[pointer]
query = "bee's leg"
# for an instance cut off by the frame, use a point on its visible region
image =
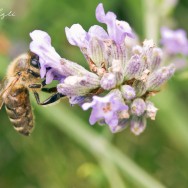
(35, 86)
(44, 82)
(49, 90)
(50, 100)
(33, 73)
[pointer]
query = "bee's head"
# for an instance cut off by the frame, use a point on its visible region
(34, 61)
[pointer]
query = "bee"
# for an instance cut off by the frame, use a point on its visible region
(23, 75)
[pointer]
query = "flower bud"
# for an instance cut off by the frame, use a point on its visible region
(138, 124)
(69, 68)
(77, 85)
(137, 50)
(111, 52)
(138, 107)
(128, 92)
(156, 58)
(139, 87)
(160, 76)
(96, 49)
(117, 69)
(79, 100)
(108, 81)
(122, 124)
(133, 67)
(151, 110)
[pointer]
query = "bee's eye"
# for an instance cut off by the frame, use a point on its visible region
(35, 62)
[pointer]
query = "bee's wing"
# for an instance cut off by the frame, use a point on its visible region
(5, 86)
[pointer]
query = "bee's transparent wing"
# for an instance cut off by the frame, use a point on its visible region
(5, 86)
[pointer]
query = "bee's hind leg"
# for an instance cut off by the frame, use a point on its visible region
(55, 97)
(52, 99)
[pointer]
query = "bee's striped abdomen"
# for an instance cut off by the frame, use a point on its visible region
(19, 110)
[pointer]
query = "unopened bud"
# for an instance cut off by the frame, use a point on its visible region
(138, 107)
(138, 124)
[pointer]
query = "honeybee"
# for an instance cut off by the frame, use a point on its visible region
(23, 75)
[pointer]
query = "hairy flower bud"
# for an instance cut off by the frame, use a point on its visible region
(140, 87)
(133, 67)
(137, 50)
(122, 124)
(108, 81)
(151, 110)
(96, 49)
(156, 58)
(138, 124)
(117, 69)
(160, 76)
(77, 85)
(138, 107)
(128, 92)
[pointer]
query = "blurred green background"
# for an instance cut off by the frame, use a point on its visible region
(64, 151)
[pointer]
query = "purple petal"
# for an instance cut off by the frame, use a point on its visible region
(40, 36)
(112, 120)
(117, 30)
(48, 57)
(42, 71)
(100, 14)
(49, 76)
(76, 35)
(97, 31)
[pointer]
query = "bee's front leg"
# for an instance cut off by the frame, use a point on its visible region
(35, 86)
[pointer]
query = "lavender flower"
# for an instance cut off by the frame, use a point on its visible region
(106, 108)
(121, 79)
(174, 41)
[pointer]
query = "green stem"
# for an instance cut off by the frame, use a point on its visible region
(97, 145)
(112, 174)
(151, 19)
(173, 121)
